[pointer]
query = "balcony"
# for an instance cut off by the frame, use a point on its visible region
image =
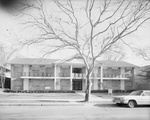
(74, 75)
(95, 75)
(78, 75)
(64, 75)
(34, 74)
(117, 75)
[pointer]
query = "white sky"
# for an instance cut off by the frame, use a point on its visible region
(11, 28)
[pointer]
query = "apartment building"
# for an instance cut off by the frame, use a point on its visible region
(48, 74)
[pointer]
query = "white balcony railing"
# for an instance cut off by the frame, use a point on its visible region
(74, 75)
(33, 74)
(64, 75)
(78, 75)
(117, 75)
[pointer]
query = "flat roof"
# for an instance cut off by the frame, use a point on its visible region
(74, 61)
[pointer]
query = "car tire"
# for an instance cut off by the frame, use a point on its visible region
(119, 104)
(131, 103)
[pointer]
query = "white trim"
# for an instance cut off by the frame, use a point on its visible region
(101, 79)
(25, 84)
(55, 74)
(71, 77)
(122, 85)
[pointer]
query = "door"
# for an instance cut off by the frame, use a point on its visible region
(145, 98)
(77, 84)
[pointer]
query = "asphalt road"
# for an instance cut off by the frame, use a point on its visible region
(96, 112)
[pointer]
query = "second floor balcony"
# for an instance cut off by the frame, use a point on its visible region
(64, 75)
(74, 75)
(117, 75)
(33, 74)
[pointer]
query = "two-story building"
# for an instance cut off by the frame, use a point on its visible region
(48, 74)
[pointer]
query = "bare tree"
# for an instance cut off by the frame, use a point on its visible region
(144, 72)
(145, 53)
(90, 27)
(115, 53)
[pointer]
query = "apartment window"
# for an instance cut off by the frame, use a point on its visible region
(77, 70)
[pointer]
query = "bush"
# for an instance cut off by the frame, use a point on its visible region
(7, 90)
(99, 91)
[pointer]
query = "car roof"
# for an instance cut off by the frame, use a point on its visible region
(143, 90)
(146, 90)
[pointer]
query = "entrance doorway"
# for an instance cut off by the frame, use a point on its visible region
(77, 84)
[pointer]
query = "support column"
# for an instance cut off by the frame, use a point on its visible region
(12, 76)
(26, 80)
(122, 85)
(122, 82)
(85, 78)
(101, 82)
(55, 76)
(26, 84)
(71, 77)
(57, 79)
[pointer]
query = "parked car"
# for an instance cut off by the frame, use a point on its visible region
(140, 97)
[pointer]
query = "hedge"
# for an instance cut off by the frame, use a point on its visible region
(62, 91)
(38, 91)
(114, 91)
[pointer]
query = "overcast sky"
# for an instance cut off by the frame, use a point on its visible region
(10, 28)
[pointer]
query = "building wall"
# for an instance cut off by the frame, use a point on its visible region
(41, 84)
(17, 84)
(64, 84)
(128, 85)
(111, 84)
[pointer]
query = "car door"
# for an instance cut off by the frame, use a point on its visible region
(145, 98)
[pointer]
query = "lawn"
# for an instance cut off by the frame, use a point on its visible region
(41, 96)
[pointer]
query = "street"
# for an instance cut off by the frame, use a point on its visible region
(88, 112)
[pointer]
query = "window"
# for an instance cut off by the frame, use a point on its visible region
(136, 93)
(146, 93)
(77, 70)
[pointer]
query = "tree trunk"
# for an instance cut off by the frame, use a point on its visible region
(88, 89)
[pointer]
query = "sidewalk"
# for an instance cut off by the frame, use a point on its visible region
(49, 99)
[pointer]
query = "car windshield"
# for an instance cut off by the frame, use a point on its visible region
(136, 93)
